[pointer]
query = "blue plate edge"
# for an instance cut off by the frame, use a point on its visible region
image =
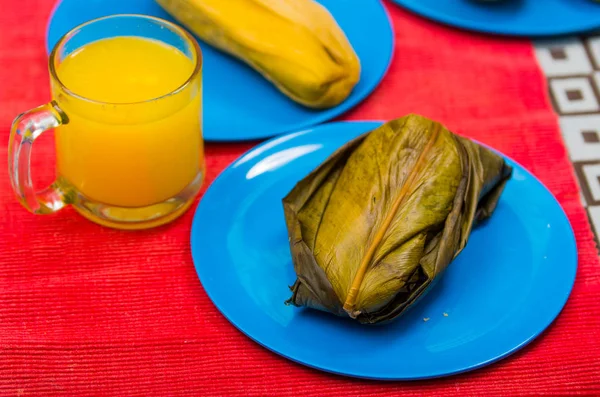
(572, 245)
(481, 28)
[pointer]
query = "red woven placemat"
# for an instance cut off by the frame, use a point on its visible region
(86, 310)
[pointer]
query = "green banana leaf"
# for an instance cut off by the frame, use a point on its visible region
(384, 215)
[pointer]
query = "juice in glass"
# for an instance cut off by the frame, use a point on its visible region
(126, 109)
(140, 159)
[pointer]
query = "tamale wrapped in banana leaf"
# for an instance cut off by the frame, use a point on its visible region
(383, 216)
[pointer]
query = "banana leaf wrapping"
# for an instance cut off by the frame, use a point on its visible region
(384, 215)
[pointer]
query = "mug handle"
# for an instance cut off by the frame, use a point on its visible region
(24, 131)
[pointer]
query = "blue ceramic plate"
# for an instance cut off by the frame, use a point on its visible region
(239, 104)
(512, 17)
(502, 291)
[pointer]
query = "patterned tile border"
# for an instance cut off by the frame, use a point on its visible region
(572, 66)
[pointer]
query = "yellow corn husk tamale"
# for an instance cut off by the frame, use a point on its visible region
(383, 216)
(296, 44)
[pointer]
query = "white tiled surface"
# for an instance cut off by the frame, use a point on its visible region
(596, 77)
(594, 211)
(572, 67)
(576, 60)
(588, 102)
(592, 173)
(573, 128)
(593, 44)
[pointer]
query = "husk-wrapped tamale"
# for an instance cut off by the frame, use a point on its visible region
(384, 215)
(295, 44)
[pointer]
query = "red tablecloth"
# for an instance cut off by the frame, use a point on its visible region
(86, 310)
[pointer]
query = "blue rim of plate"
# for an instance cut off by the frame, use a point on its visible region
(313, 118)
(274, 142)
(428, 12)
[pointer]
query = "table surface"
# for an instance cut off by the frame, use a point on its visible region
(572, 67)
(86, 310)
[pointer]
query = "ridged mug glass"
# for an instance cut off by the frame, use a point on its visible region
(122, 163)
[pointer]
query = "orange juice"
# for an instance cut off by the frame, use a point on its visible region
(125, 147)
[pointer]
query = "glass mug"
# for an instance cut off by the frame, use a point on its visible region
(127, 99)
